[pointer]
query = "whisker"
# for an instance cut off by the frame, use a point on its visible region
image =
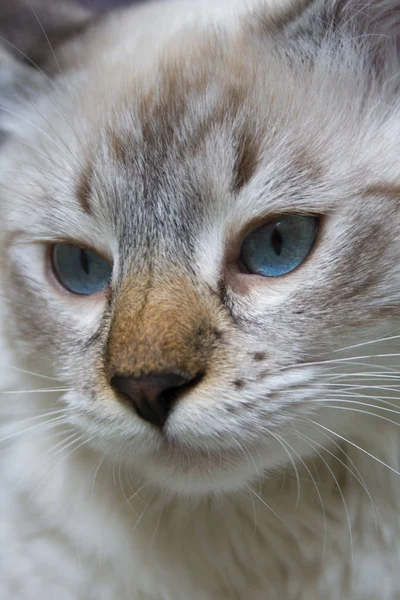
(338, 360)
(351, 387)
(352, 392)
(133, 495)
(366, 375)
(45, 35)
(370, 365)
(364, 412)
(375, 458)
(381, 401)
(46, 424)
(36, 391)
(249, 459)
(35, 65)
(42, 131)
(62, 460)
(286, 447)
(356, 473)
(59, 446)
(45, 75)
(54, 130)
(32, 373)
(318, 494)
(39, 168)
(37, 153)
(143, 512)
(153, 539)
(309, 442)
(14, 414)
(369, 342)
(250, 489)
(357, 402)
(92, 479)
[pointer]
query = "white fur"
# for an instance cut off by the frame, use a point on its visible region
(97, 507)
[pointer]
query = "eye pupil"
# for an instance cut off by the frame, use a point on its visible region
(84, 262)
(277, 241)
(278, 248)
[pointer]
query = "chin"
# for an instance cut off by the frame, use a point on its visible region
(200, 475)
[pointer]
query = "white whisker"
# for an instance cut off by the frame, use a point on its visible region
(36, 391)
(369, 342)
(364, 412)
(356, 473)
(36, 417)
(143, 512)
(375, 458)
(85, 441)
(249, 459)
(45, 35)
(49, 423)
(366, 375)
(32, 373)
(317, 490)
(286, 447)
(357, 402)
(339, 360)
(309, 442)
(25, 120)
(35, 65)
(95, 472)
(250, 489)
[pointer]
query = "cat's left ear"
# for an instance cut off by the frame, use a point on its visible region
(372, 25)
(31, 32)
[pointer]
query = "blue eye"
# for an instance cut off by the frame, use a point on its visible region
(277, 248)
(80, 271)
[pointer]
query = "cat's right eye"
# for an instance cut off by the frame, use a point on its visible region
(78, 270)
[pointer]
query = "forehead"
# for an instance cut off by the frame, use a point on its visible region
(192, 139)
(221, 130)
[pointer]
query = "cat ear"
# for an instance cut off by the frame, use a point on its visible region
(372, 25)
(31, 32)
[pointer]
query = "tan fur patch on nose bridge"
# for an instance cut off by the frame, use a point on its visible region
(165, 328)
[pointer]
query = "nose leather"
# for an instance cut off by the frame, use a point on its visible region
(152, 396)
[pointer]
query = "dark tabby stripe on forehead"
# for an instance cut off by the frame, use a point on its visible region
(84, 189)
(387, 190)
(247, 159)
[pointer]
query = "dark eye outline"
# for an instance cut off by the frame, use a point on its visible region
(256, 224)
(52, 271)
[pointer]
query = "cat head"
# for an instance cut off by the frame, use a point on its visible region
(201, 227)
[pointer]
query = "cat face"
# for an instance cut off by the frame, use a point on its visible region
(195, 228)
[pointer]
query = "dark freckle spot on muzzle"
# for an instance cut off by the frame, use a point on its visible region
(238, 383)
(232, 410)
(258, 356)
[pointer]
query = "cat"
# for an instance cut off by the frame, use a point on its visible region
(200, 301)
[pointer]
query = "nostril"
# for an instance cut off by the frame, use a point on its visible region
(153, 395)
(171, 395)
